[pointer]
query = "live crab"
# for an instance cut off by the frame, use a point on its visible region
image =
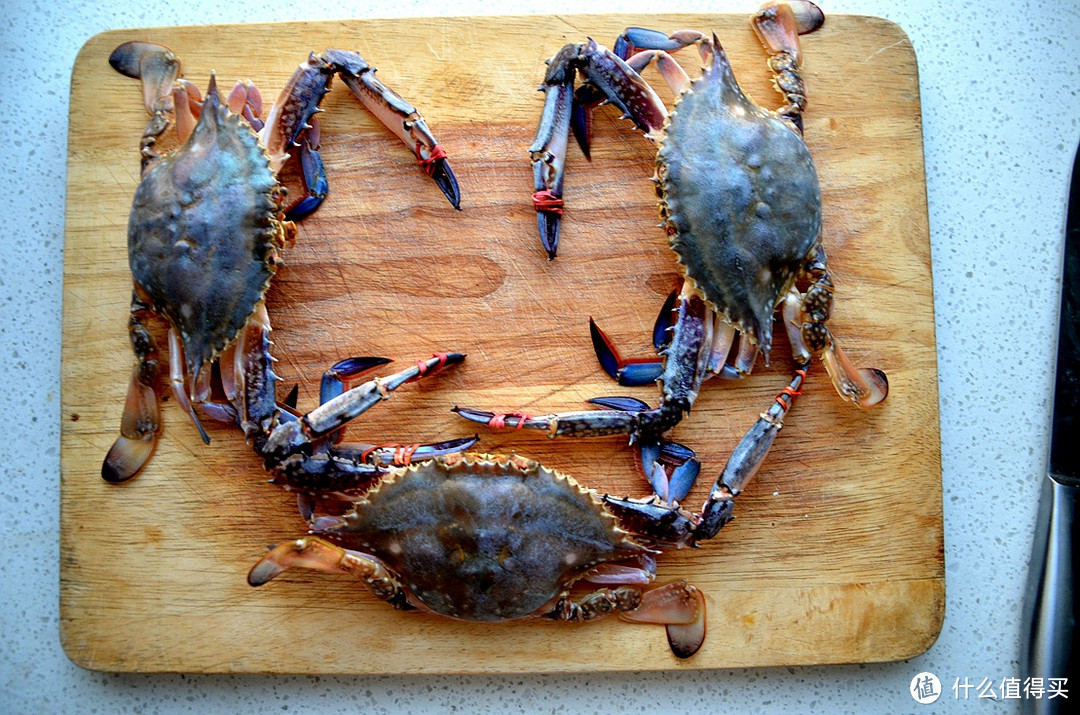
(740, 202)
(495, 538)
(208, 225)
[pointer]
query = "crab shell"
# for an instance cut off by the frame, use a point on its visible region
(739, 197)
(204, 231)
(483, 538)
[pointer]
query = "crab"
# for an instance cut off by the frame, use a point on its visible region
(741, 205)
(207, 229)
(494, 538)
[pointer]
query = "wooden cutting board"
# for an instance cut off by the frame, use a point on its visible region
(837, 553)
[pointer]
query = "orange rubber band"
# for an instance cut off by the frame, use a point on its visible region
(547, 201)
(791, 392)
(403, 454)
(367, 452)
(421, 365)
(499, 421)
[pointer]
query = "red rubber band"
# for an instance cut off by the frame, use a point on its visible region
(367, 453)
(428, 165)
(421, 365)
(547, 201)
(443, 357)
(499, 421)
(791, 392)
(403, 454)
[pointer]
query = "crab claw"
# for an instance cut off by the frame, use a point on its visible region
(671, 468)
(398, 116)
(335, 380)
(439, 170)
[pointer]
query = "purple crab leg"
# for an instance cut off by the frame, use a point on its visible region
(612, 78)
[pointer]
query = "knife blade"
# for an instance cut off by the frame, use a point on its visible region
(1050, 634)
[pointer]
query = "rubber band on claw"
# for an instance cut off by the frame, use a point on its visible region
(402, 453)
(428, 165)
(499, 421)
(421, 365)
(547, 201)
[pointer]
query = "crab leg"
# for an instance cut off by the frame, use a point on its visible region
(864, 387)
(680, 607)
(290, 122)
(158, 70)
(141, 421)
(179, 384)
(778, 26)
(287, 447)
(311, 552)
(677, 605)
(301, 450)
(685, 361)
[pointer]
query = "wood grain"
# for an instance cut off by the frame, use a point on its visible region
(837, 552)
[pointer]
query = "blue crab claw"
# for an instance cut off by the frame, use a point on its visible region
(473, 415)
(671, 468)
(335, 379)
(316, 184)
(385, 455)
(444, 178)
(548, 224)
(586, 98)
(634, 372)
(626, 404)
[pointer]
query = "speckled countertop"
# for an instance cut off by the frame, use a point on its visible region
(1001, 113)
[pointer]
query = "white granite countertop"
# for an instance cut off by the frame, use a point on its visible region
(1001, 113)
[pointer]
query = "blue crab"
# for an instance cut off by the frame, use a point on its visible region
(494, 538)
(740, 202)
(208, 226)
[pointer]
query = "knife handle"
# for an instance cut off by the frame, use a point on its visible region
(1049, 625)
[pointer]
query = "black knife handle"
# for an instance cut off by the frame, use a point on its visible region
(1050, 604)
